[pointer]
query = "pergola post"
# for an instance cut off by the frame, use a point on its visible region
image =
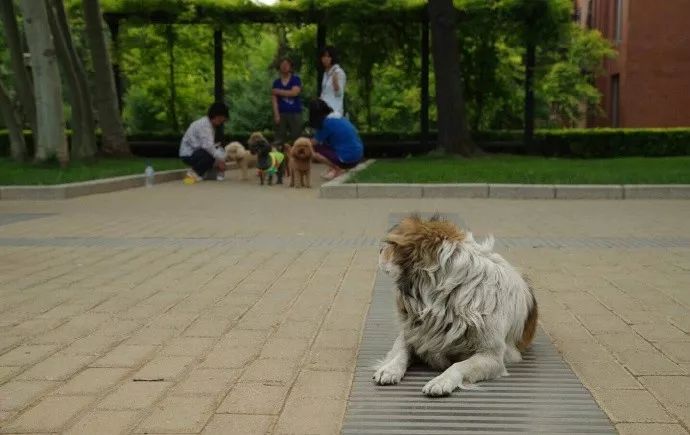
(320, 44)
(113, 23)
(170, 40)
(424, 85)
(530, 61)
(218, 74)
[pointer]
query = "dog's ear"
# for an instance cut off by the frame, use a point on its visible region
(416, 242)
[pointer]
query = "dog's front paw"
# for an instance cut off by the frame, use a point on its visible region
(441, 385)
(389, 374)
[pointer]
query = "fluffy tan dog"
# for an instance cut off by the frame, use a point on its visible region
(300, 154)
(234, 151)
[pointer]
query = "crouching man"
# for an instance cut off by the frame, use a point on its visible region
(198, 149)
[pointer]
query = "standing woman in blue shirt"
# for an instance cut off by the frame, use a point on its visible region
(287, 104)
(337, 142)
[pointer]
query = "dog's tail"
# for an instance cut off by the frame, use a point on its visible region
(530, 327)
(487, 245)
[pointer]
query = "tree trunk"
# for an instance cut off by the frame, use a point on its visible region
(9, 116)
(88, 131)
(424, 85)
(218, 86)
(79, 141)
(114, 28)
(530, 62)
(170, 39)
(50, 140)
(114, 138)
(453, 133)
(22, 81)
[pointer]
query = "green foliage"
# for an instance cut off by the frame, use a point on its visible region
(13, 173)
(211, 10)
(566, 89)
(148, 87)
(5, 68)
(528, 170)
(379, 44)
(603, 142)
(492, 69)
(541, 22)
(249, 75)
(493, 44)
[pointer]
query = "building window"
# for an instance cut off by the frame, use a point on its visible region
(618, 16)
(615, 100)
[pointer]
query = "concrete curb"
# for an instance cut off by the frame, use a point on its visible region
(338, 188)
(73, 190)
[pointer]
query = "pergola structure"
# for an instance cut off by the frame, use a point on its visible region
(322, 14)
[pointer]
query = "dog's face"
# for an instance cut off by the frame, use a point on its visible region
(258, 143)
(302, 149)
(260, 147)
(235, 150)
(415, 244)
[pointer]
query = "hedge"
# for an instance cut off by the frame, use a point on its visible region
(582, 143)
(601, 142)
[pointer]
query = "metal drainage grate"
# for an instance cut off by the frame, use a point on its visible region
(541, 394)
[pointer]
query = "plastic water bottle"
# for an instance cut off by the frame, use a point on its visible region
(150, 175)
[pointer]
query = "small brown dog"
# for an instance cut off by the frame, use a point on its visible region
(234, 151)
(301, 154)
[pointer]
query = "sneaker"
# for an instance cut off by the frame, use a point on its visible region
(328, 175)
(220, 176)
(191, 177)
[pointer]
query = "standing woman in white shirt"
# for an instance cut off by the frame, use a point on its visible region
(333, 82)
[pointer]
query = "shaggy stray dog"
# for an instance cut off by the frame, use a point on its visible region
(462, 307)
(234, 151)
(300, 162)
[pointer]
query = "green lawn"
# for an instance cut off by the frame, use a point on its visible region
(13, 173)
(528, 170)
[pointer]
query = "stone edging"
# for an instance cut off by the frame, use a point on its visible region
(72, 190)
(338, 188)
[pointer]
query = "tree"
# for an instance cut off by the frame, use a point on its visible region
(22, 81)
(11, 119)
(50, 121)
(453, 133)
(567, 88)
(114, 138)
(83, 127)
(537, 23)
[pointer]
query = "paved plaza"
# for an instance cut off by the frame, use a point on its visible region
(232, 308)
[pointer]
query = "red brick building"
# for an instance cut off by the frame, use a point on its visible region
(648, 83)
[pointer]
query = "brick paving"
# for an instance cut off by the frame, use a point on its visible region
(234, 308)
